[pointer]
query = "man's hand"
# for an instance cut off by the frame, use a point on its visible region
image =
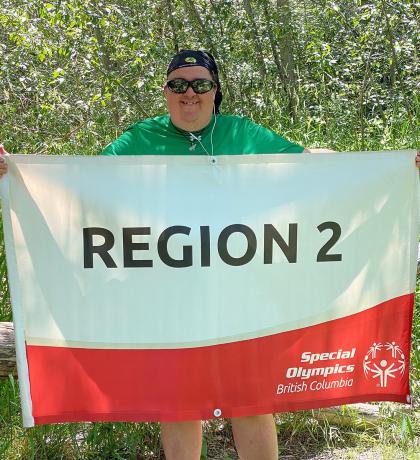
(3, 165)
(418, 159)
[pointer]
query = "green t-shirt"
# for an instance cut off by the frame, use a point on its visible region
(231, 135)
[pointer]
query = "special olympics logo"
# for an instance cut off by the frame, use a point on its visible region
(383, 361)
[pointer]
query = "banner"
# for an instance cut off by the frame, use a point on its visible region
(165, 288)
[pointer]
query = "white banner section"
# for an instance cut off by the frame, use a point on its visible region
(168, 252)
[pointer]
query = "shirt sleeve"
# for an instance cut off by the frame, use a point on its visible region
(267, 141)
(124, 145)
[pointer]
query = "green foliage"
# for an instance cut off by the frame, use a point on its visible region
(74, 74)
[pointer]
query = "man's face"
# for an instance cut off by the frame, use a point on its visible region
(190, 111)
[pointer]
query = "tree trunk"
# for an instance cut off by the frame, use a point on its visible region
(190, 6)
(391, 45)
(107, 67)
(361, 413)
(254, 30)
(361, 99)
(272, 40)
(173, 26)
(286, 53)
(7, 350)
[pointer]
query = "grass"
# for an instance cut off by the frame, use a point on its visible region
(301, 435)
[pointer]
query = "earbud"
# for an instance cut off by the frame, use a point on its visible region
(193, 137)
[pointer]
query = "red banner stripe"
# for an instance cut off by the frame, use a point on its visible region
(294, 370)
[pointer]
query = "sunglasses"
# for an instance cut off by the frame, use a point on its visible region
(199, 86)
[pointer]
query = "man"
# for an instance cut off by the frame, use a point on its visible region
(194, 126)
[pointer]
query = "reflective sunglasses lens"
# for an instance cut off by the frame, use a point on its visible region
(202, 86)
(178, 85)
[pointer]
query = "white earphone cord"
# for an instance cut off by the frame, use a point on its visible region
(193, 136)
